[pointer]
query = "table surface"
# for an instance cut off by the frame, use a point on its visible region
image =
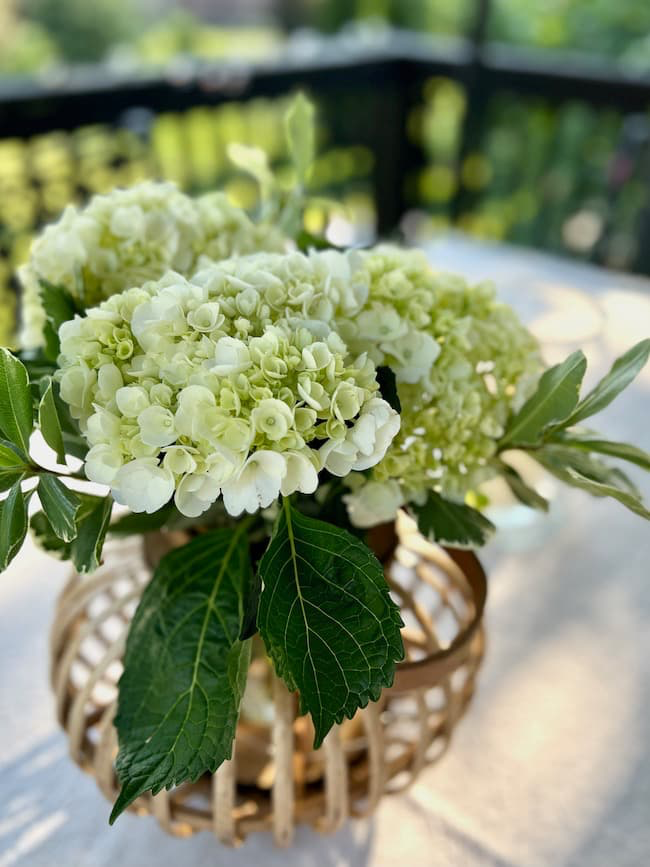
(550, 767)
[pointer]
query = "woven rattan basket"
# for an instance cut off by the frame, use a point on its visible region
(275, 779)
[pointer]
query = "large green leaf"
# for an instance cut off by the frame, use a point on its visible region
(61, 505)
(327, 618)
(16, 414)
(13, 525)
(552, 403)
(590, 442)
(184, 668)
(50, 423)
(450, 523)
(619, 377)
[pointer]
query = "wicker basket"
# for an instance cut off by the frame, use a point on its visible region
(275, 778)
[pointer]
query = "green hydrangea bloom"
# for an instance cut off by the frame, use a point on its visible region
(487, 365)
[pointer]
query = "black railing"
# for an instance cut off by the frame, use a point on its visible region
(368, 97)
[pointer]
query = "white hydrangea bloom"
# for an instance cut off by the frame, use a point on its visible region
(129, 236)
(374, 503)
(202, 388)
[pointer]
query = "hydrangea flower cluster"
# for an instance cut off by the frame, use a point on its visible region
(463, 361)
(276, 354)
(127, 237)
(487, 365)
(203, 388)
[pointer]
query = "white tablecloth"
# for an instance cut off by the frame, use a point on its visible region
(550, 768)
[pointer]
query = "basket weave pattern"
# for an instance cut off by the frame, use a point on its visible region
(275, 778)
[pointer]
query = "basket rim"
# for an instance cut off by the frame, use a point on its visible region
(437, 666)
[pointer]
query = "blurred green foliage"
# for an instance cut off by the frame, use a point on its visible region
(611, 28)
(84, 30)
(181, 33)
(446, 17)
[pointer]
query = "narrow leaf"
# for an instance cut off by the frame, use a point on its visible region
(92, 524)
(327, 618)
(598, 489)
(184, 667)
(552, 403)
(46, 538)
(61, 505)
(523, 492)
(16, 415)
(300, 131)
(13, 465)
(13, 525)
(453, 524)
(591, 443)
(619, 377)
(50, 423)
(586, 464)
(11, 457)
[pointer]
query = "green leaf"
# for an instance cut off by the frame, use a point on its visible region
(619, 377)
(184, 667)
(141, 522)
(388, 387)
(591, 443)
(597, 488)
(84, 550)
(36, 364)
(92, 523)
(327, 618)
(300, 130)
(450, 523)
(50, 424)
(13, 525)
(60, 505)
(253, 161)
(560, 457)
(523, 492)
(552, 403)
(306, 241)
(16, 414)
(46, 538)
(59, 306)
(13, 465)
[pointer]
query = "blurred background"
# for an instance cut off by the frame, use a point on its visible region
(517, 120)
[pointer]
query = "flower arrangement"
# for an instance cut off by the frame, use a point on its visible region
(274, 398)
